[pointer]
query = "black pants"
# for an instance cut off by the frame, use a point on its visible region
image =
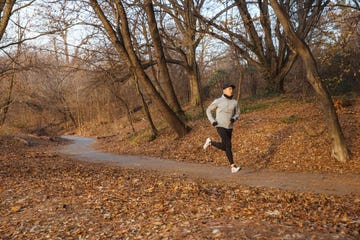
(225, 143)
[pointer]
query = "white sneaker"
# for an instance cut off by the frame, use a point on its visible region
(207, 143)
(235, 169)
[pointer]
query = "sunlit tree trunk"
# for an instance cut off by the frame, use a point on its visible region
(5, 14)
(339, 149)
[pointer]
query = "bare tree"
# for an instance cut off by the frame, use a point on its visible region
(339, 149)
(4, 108)
(184, 39)
(258, 37)
(121, 39)
(16, 64)
(7, 9)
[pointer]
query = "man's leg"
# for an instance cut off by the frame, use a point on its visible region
(222, 134)
(228, 148)
(225, 143)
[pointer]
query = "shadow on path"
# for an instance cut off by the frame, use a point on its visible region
(82, 149)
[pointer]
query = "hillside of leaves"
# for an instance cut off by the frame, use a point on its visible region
(44, 195)
(281, 133)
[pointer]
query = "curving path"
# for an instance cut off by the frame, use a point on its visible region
(81, 149)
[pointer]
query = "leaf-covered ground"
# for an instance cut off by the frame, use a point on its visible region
(278, 133)
(48, 196)
(45, 195)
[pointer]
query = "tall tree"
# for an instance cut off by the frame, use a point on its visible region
(339, 149)
(185, 39)
(257, 35)
(6, 11)
(161, 61)
(121, 39)
(8, 100)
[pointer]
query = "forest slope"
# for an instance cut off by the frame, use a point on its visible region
(278, 133)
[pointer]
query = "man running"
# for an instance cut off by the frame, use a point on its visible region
(227, 112)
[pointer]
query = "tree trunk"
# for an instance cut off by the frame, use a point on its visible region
(279, 76)
(5, 14)
(128, 112)
(146, 110)
(195, 96)
(164, 71)
(170, 116)
(8, 99)
(67, 111)
(240, 79)
(154, 70)
(239, 69)
(254, 85)
(339, 149)
(194, 79)
(183, 14)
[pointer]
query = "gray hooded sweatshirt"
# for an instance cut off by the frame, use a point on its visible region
(226, 109)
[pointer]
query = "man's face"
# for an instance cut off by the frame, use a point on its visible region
(228, 91)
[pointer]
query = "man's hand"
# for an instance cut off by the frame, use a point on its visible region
(215, 123)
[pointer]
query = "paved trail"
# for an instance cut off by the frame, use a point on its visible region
(81, 149)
